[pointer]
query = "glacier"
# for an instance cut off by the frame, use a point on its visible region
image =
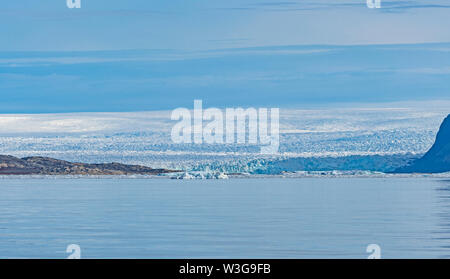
(351, 138)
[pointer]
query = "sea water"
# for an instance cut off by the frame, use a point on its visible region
(235, 218)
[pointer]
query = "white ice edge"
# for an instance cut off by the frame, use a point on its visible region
(215, 175)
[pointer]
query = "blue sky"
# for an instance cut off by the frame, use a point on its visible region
(151, 55)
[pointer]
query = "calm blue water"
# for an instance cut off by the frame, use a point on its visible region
(238, 218)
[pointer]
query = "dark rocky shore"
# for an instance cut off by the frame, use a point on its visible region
(10, 165)
(437, 159)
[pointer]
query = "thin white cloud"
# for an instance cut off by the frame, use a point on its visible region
(116, 57)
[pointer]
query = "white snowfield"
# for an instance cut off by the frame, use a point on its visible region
(346, 139)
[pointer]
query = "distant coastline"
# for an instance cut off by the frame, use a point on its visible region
(10, 165)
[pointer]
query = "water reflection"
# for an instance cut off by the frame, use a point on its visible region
(244, 218)
(442, 235)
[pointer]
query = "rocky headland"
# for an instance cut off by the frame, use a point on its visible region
(437, 159)
(10, 165)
